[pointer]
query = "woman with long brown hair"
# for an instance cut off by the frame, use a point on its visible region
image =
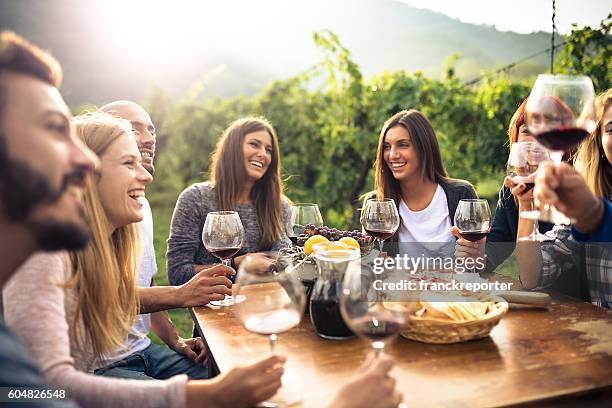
(410, 171)
(244, 177)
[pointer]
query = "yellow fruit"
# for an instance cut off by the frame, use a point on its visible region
(310, 242)
(350, 241)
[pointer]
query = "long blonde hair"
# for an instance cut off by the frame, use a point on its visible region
(104, 273)
(227, 172)
(590, 160)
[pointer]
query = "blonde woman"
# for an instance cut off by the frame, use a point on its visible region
(86, 301)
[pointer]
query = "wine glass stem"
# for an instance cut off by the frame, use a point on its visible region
(273, 339)
(378, 347)
(381, 243)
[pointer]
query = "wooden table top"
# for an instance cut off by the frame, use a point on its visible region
(533, 355)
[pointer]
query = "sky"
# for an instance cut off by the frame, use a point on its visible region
(521, 16)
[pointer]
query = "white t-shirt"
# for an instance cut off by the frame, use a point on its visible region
(138, 339)
(428, 226)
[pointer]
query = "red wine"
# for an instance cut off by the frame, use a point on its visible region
(565, 139)
(224, 253)
(374, 329)
(379, 234)
(327, 320)
(473, 235)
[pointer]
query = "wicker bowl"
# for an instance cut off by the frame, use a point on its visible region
(447, 332)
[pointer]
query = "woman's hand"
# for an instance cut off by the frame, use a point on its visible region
(468, 249)
(239, 387)
(523, 198)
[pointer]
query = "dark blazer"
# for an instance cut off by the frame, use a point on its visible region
(455, 191)
(501, 241)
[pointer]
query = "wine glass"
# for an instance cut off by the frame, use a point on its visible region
(523, 162)
(473, 219)
(380, 219)
(270, 300)
(560, 113)
(222, 236)
(302, 215)
(367, 309)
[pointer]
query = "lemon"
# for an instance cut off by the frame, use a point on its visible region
(310, 242)
(350, 241)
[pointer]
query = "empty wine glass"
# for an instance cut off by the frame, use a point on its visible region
(270, 300)
(560, 114)
(222, 236)
(302, 214)
(523, 163)
(380, 219)
(367, 309)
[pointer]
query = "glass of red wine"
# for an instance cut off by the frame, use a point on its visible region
(473, 219)
(560, 114)
(380, 219)
(301, 215)
(523, 162)
(270, 301)
(366, 310)
(222, 236)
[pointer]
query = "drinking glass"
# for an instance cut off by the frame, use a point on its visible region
(523, 163)
(222, 236)
(301, 216)
(270, 300)
(367, 311)
(560, 114)
(473, 219)
(380, 219)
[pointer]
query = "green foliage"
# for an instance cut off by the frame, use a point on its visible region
(588, 51)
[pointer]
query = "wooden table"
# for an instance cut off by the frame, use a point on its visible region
(556, 357)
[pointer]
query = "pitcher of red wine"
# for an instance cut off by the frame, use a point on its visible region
(324, 304)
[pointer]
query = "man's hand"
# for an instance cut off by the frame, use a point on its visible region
(241, 387)
(372, 388)
(567, 190)
(192, 348)
(208, 284)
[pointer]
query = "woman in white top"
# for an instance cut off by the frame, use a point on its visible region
(409, 170)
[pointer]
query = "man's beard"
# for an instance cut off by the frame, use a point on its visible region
(22, 190)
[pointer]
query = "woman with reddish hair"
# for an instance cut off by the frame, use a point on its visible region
(512, 199)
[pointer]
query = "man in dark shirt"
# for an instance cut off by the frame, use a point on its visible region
(42, 170)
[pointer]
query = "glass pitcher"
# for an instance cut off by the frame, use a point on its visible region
(325, 298)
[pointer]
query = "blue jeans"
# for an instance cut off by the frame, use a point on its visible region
(154, 363)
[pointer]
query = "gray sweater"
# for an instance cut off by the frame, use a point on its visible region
(185, 247)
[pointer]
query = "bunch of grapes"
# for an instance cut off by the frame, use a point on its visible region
(334, 234)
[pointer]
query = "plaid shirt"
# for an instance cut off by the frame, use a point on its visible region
(566, 255)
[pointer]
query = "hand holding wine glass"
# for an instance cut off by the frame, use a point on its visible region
(473, 219)
(270, 300)
(523, 163)
(560, 113)
(380, 219)
(222, 236)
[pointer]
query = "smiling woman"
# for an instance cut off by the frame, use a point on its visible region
(245, 177)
